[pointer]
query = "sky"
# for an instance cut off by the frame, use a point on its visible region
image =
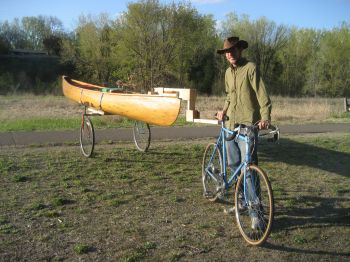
(316, 14)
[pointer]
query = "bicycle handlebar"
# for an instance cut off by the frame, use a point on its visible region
(274, 130)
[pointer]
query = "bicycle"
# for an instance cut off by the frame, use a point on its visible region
(253, 197)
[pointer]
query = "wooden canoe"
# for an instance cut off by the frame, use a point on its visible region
(153, 109)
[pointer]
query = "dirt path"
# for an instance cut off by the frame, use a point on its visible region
(158, 133)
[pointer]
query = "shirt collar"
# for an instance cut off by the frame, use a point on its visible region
(241, 62)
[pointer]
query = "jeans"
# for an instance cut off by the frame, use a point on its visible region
(236, 150)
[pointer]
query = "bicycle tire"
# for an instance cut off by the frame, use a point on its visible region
(87, 137)
(142, 135)
(212, 162)
(263, 210)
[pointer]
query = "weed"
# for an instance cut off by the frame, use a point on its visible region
(7, 229)
(117, 202)
(81, 249)
(176, 256)
(50, 213)
(132, 258)
(299, 239)
(20, 178)
(150, 245)
(3, 221)
(291, 202)
(58, 201)
(37, 206)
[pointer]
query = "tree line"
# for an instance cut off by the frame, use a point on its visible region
(154, 44)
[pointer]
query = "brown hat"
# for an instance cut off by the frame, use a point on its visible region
(232, 42)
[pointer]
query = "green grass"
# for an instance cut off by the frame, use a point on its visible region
(343, 115)
(50, 124)
(124, 205)
(39, 124)
(81, 249)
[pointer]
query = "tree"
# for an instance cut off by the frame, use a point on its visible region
(194, 56)
(144, 35)
(334, 62)
(163, 42)
(13, 34)
(4, 45)
(53, 44)
(90, 50)
(39, 28)
(298, 60)
(30, 32)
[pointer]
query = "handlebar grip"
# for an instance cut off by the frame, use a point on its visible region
(226, 118)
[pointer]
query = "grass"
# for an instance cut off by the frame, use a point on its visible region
(124, 205)
(81, 249)
(287, 110)
(29, 113)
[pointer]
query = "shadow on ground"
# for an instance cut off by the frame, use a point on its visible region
(305, 251)
(302, 154)
(311, 210)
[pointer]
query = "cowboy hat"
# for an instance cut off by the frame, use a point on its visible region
(232, 42)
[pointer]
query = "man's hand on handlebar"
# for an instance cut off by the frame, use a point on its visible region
(220, 115)
(264, 124)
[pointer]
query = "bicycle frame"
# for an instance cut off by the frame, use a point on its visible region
(221, 145)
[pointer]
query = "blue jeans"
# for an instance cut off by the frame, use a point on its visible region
(236, 151)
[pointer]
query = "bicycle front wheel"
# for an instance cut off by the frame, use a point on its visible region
(212, 172)
(142, 136)
(87, 137)
(254, 205)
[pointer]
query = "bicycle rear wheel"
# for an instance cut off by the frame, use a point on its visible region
(142, 136)
(256, 206)
(87, 137)
(212, 172)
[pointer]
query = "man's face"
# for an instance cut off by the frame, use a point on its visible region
(234, 55)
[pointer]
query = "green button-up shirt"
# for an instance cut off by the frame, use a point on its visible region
(247, 100)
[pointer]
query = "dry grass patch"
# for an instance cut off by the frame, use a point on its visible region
(31, 106)
(305, 109)
(285, 110)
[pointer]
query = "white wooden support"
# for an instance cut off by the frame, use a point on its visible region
(207, 121)
(189, 95)
(95, 112)
(347, 104)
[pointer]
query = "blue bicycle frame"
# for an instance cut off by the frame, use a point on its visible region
(221, 145)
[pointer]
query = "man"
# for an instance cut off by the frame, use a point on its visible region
(247, 101)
